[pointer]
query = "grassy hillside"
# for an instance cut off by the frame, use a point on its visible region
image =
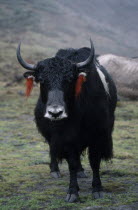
(62, 22)
(25, 181)
(44, 26)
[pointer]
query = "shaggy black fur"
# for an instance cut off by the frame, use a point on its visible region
(90, 116)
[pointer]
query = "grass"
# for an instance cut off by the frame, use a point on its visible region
(25, 182)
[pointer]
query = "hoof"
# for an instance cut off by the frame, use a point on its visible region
(72, 198)
(98, 195)
(55, 174)
(81, 174)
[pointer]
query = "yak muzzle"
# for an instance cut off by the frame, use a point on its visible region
(55, 112)
(55, 108)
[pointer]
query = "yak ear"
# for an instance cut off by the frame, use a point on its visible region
(81, 79)
(30, 77)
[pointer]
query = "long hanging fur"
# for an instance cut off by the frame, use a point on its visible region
(29, 86)
(81, 79)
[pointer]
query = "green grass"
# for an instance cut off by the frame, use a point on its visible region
(25, 182)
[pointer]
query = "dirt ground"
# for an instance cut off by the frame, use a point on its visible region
(25, 181)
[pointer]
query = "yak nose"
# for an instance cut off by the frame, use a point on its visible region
(55, 112)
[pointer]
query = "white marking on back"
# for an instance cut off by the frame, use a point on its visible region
(102, 77)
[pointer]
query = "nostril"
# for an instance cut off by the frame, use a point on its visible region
(55, 115)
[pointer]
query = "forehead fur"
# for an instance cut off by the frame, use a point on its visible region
(56, 67)
(74, 55)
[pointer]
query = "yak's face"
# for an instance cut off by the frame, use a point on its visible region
(60, 82)
(57, 78)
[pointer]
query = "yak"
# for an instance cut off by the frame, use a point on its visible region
(124, 71)
(74, 112)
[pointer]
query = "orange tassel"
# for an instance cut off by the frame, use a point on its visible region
(29, 86)
(81, 79)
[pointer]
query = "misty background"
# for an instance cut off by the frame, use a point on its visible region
(44, 26)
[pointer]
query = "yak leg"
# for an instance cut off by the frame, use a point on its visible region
(95, 160)
(72, 195)
(80, 170)
(54, 169)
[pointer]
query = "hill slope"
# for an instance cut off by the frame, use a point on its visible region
(50, 25)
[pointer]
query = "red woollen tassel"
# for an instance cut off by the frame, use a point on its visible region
(81, 79)
(29, 85)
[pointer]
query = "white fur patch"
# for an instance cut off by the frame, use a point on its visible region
(83, 73)
(102, 77)
(31, 76)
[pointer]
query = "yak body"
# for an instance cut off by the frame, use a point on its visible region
(69, 122)
(124, 71)
(90, 114)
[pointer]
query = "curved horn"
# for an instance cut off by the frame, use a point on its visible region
(22, 62)
(89, 59)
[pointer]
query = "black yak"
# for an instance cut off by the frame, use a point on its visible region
(75, 111)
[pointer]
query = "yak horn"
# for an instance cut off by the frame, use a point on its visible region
(89, 59)
(22, 62)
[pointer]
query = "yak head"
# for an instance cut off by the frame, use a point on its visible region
(60, 80)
